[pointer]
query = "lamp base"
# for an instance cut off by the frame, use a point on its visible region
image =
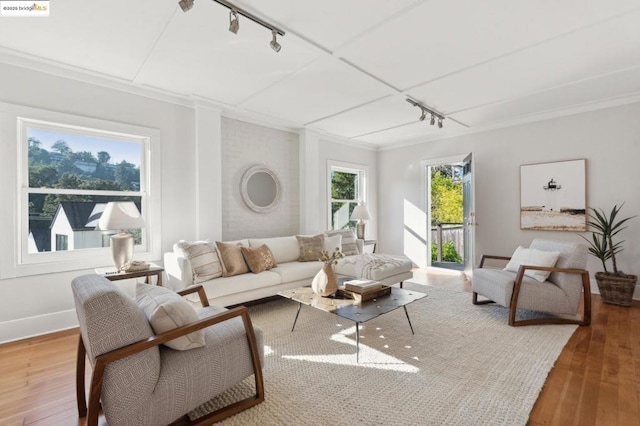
(360, 230)
(121, 249)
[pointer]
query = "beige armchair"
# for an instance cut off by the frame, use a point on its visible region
(559, 294)
(138, 380)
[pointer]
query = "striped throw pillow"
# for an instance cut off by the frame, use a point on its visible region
(204, 260)
(349, 246)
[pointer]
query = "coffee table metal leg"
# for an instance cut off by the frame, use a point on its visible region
(357, 342)
(408, 319)
(296, 318)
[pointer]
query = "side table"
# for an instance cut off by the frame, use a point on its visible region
(373, 243)
(112, 275)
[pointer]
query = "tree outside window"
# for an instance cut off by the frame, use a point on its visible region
(347, 188)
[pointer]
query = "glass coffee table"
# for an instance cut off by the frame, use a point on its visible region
(344, 306)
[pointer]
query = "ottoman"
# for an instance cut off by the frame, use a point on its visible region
(388, 269)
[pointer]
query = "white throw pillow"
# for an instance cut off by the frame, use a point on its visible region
(331, 242)
(166, 310)
(533, 257)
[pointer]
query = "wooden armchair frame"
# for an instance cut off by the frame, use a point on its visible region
(103, 360)
(584, 319)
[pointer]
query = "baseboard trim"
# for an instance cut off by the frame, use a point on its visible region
(25, 328)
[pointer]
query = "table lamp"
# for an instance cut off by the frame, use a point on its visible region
(121, 215)
(360, 213)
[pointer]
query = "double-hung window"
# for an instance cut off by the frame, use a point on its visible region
(347, 183)
(67, 173)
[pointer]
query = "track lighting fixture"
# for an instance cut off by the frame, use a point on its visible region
(424, 111)
(234, 23)
(274, 44)
(186, 5)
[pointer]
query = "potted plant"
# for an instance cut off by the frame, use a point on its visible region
(615, 286)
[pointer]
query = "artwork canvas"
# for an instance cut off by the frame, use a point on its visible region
(553, 196)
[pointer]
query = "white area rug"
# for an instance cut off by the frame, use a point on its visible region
(464, 366)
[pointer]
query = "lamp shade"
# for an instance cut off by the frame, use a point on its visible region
(361, 213)
(119, 215)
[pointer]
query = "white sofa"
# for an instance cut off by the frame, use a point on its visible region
(289, 273)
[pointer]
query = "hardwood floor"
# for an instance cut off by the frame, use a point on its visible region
(596, 379)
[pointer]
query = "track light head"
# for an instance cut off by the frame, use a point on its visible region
(234, 23)
(274, 44)
(423, 115)
(440, 122)
(433, 119)
(186, 5)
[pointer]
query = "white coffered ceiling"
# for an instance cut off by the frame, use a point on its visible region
(346, 67)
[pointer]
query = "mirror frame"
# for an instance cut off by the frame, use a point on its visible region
(244, 182)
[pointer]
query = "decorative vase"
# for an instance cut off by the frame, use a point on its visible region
(325, 282)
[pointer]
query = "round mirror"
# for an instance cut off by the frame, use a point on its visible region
(260, 189)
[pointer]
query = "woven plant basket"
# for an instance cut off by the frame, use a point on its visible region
(616, 290)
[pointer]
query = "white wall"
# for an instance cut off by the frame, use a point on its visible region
(608, 139)
(245, 145)
(43, 303)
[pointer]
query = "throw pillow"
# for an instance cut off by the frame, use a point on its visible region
(258, 258)
(349, 246)
(330, 243)
(166, 310)
(232, 260)
(310, 247)
(533, 257)
(205, 263)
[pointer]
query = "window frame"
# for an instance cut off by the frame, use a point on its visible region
(338, 166)
(15, 259)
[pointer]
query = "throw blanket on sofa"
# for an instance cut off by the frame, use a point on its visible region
(368, 262)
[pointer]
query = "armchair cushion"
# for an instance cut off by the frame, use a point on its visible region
(165, 311)
(533, 257)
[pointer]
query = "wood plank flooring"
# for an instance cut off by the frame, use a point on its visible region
(596, 379)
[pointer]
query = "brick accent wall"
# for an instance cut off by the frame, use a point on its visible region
(245, 145)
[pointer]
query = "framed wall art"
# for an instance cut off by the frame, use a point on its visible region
(553, 196)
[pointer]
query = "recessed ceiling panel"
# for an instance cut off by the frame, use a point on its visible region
(588, 92)
(444, 36)
(198, 55)
(111, 37)
(599, 49)
(319, 90)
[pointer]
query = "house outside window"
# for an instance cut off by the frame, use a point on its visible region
(67, 171)
(347, 187)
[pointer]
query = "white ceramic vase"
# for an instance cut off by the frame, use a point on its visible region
(325, 282)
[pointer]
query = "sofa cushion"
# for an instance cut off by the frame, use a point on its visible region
(533, 257)
(165, 311)
(310, 247)
(297, 271)
(332, 242)
(258, 258)
(349, 246)
(203, 256)
(237, 284)
(232, 260)
(284, 249)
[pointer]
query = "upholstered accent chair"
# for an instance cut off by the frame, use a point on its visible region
(139, 380)
(559, 293)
